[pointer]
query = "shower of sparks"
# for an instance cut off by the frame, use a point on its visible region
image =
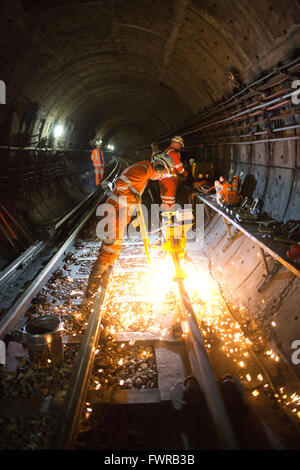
(138, 294)
(215, 320)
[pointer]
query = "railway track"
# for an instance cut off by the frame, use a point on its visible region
(139, 373)
(23, 278)
(152, 363)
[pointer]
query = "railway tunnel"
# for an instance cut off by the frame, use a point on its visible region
(222, 75)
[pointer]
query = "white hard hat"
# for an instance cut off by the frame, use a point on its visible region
(178, 139)
(98, 142)
(166, 160)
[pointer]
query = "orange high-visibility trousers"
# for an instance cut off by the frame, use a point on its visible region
(118, 218)
(168, 189)
(99, 171)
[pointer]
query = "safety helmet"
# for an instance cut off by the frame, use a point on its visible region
(166, 160)
(178, 139)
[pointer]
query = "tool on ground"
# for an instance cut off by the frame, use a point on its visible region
(174, 232)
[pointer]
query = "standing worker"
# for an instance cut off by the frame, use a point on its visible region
(98, 160)
(127, 193)
(168, 185)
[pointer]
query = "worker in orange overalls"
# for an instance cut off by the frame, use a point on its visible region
(98, 160)
(227, 193)
(127, 192)
(232, 191)
(168, 185)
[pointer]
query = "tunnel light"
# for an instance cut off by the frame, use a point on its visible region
(58, 130)
(112, 147)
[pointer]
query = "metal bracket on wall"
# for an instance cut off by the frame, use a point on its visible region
(227, 228)
(235, 237)
(269, 272)
(232, 238)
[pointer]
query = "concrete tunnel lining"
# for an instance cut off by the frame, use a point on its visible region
(131, 72)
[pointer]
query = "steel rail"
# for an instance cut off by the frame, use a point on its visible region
(39, 245)
(67, 424)
(284, 261)
(204, 373)
(81, 203)
(10, 270)
(13, 315)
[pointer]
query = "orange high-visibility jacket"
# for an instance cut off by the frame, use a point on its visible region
(229, 192)
(175, 154)
(236, 184)
(233, 191)
(97, 158)
(133, 180)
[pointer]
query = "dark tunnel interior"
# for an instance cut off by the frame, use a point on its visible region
(222, 74)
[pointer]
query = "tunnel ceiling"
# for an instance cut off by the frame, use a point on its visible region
(128, 70)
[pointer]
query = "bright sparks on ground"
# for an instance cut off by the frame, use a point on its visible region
(139, 297)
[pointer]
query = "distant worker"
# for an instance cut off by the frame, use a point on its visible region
(98, 160)
(168, 185)
(127, 193)
(234, 193)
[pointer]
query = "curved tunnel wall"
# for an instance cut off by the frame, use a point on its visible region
(38, 188)
(58, 56)
(270, 171)
(240, 271)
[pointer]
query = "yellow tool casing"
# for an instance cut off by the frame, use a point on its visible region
(174, 239)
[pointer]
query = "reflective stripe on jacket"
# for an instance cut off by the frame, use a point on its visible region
(175, 154)
(97, 157)
(134, 179)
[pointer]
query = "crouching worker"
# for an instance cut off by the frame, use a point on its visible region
(227, 193)
(121, 204)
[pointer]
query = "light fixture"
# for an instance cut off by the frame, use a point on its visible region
(58, 130)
